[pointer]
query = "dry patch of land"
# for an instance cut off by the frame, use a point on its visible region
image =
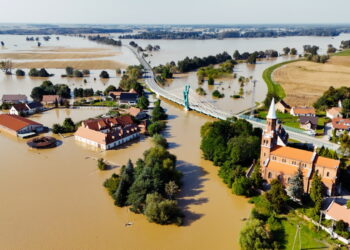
(55, 55)
(304, 82)
(80, 64)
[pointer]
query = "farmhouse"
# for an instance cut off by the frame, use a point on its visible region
(51, 99)
(308, 122)
(13, 99)
(281, 162)
(337, 212)
(303, 111)
(26, 108)
(19, 126)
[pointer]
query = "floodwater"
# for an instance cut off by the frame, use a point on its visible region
(54, 199)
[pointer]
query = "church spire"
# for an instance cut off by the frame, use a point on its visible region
(272, 110)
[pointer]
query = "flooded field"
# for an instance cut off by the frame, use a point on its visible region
(54, 199)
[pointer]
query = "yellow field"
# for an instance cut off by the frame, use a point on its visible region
(304, 82)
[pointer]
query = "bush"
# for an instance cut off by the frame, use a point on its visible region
(104, 74)
(101, 164)
(159, 140)
(78, 73)
(217, 94)
(210, 80)
(86, 72)
(242, 186)
(112, 183)
(156, 127)
(67, 127)
(20, 72)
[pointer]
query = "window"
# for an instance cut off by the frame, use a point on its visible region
(269, 175)
(327, 174)
(274, 158)
(283, 160)
(317, 171)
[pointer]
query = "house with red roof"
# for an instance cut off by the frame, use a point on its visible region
(337, 212)
(18, 125)
(107, 133)
(341, 124)
(51, 99)
(281, 162)
(303, 111)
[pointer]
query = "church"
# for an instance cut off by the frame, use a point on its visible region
(281, 162)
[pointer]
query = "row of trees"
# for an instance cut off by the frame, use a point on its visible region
(39, 73)
(48, 88)
(80, 92)
(331, 98)
(251, 57)
(105, 40)
(68, 126)
(151, 186)
(71, 72)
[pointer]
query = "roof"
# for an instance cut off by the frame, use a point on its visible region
(338, 212)
(334, 111)
(134, 111)
(293, 153)
(15, 122)
(327, 162)
(50, 98)
(105, 123)
(115, 93)
(20, 107)
(286, 168)
(304, 110)
(133, 91)
(128, 96)
(341, 123)
(12, 98)
(284, 104)
(33, 105)
(272, 110)
(306, 119)
(91, 134)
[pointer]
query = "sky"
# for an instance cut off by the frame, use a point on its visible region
(175, 11)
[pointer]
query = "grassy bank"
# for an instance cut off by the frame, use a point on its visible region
(343, 53)
(273, 87)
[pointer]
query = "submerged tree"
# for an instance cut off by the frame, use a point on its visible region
(126, 180)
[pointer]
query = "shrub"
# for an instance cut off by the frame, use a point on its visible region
(101, 164)
(104, 74)
(20, 72)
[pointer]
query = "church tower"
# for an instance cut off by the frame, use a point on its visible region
(269, 137)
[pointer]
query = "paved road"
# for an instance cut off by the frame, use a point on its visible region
(207, 108)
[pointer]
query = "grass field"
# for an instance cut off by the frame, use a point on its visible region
(272, 86)
(343, 53)
(286, 119)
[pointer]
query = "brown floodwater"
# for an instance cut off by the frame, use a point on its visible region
(54, 199)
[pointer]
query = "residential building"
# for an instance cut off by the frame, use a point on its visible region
(281, 162)
(337, 212)
(18, 125)
(308, 122)
(341, 124)
(282, 107)
(137, 113)
(51, 99)
(26, 108)
(303, 111)
(128, 98)
(334, 112)
(107, 133)
(14, 99)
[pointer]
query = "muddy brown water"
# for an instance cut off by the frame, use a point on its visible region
(54, 198)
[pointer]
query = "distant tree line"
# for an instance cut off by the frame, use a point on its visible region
(105, 40)
(345, 44)
(62, 31)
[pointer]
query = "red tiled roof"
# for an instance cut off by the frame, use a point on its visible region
(105, 123)
(327, 162)
(338, 212)
(15, 122)
(304, 110)
(292, 153)
(50, 98)
(341, 123)
(134, 111)
(285, 168)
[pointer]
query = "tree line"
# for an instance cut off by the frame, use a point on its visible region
(48, 88)
(105, 40)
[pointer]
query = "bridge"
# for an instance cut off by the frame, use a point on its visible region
(205, 107)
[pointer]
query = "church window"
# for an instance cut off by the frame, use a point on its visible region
(269, 175)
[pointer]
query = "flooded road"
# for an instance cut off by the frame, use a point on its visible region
(54, 199)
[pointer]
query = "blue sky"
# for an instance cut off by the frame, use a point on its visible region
(175, 11)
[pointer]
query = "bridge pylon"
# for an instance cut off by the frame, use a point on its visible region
(186, 102)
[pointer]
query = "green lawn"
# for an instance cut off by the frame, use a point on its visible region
(343, 53)
(272, 86)
(310, 239)
(286, 119)
(105, 103)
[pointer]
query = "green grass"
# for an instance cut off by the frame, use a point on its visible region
(286, 119)
(343, 53)
(310, 239)
(105, 103)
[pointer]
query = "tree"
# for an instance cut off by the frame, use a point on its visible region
(156, 127)
(142, 102)
(277, 197)
(158, 113)
(69, 71)
(6, 67)
(78, 73)
(210, 80)
(254, 236)
(162, 211)
(242, 186)
(126, 180)
(104, 74)
(20, 72)
(33, 72)
(346, 107)
(286, 50)
(296, 185)
(256, 177)
(293, 51)
(171, 189)
(252, 59)
(2, 43)
(37, 94)
(159, 140)
(86, 72)
(112, 183)
(316, 192)
(101, 164)
(110, 88)
(43, 73)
